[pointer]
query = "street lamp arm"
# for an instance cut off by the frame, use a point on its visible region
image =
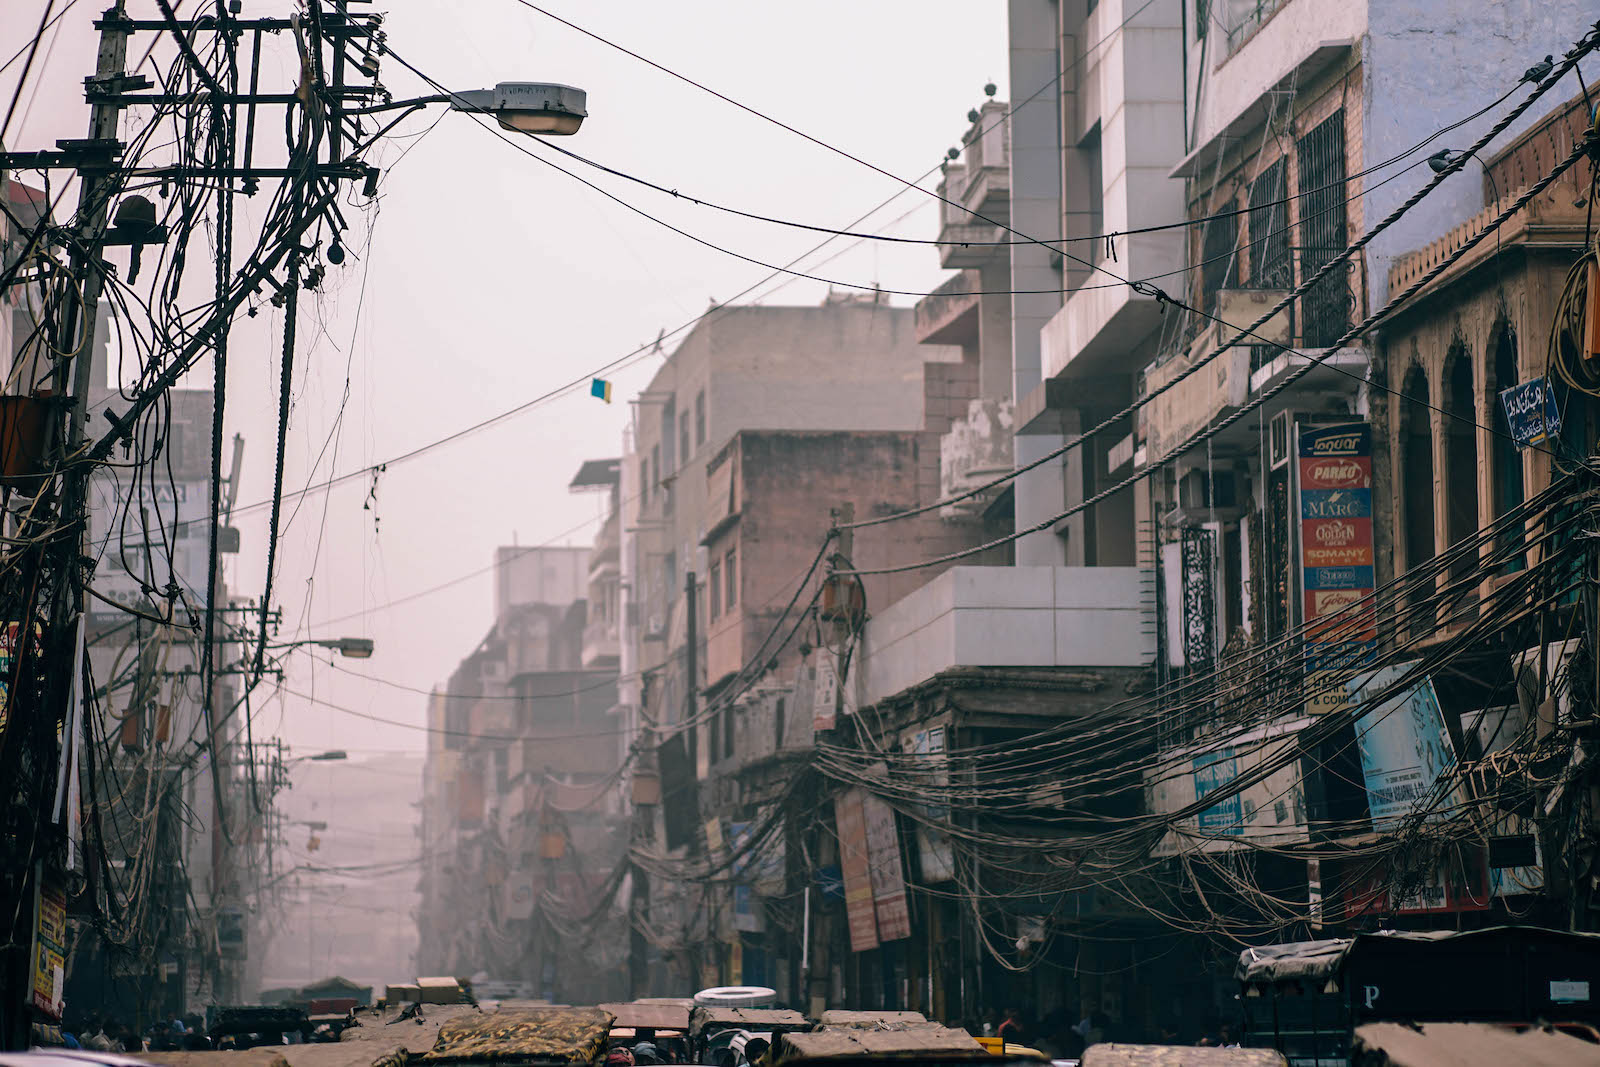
(392, 105)
(525, 107)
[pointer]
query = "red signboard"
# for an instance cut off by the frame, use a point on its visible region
(1460, 884)
(1336, 472)
(1336, 550)
(855, 865)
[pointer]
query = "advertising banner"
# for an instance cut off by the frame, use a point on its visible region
(1403, 743)
(850, 821)
(934, 852)
(1459, 883)
(1336, 555)
(49, 950)
(1270, 811)
(887, 874)
(173, 517)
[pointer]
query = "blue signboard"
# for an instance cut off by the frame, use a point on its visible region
(1339, 578)
(1336, 503)
(1403, 744)
(1531, 412)
(1212, 771)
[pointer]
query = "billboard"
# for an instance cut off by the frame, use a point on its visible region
(1269, 811)
(49, 950)
(164, 527)
(887, 874)
(936, 857)
(850, 821)
(1402, 740)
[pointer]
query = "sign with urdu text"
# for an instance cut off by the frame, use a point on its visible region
(1531, 412)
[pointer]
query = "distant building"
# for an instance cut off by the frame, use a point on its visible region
(343, 889)
(521, 818)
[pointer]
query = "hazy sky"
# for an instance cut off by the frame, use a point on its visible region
(491, 279)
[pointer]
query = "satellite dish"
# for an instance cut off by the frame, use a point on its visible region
(737, 996)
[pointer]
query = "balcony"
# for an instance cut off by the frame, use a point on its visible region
(975, 450)
(1197, 402)
(978, 188)
(605, 558)
(602, 645)
(949, 314)
(1009, 617)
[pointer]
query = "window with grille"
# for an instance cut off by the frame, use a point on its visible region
(1325, 309)
(700, 417)
(1269, 229)
(730, 569)
(1219, 261)
(715, 589)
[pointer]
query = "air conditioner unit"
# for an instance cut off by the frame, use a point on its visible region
(1199, 491)
(1280, 439)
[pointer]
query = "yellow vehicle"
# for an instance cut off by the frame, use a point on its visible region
(997, 1046)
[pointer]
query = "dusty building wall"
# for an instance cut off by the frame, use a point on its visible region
(788, 484)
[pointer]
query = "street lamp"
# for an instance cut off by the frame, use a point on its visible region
(351, 647)
(540, 108)
(321, 757)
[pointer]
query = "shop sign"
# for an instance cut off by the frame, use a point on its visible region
(1531, 412)
(1402, 740)
(1459, 883)
(825, 694)
(888, 878)
(1336, 556)
(1269, 811)
(855, 867)
(934, 852)
(49, 950)
(177, 517)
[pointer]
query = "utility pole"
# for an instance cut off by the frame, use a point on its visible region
(692, 680)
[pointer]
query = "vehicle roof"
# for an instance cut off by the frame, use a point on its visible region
(650, 1016)
(1470, 1045)
(1322, 959)
(855, 1042)
(846, 1017)
(748, 1018)
(1115, 1055)
(544, 1035)
(67, 1057)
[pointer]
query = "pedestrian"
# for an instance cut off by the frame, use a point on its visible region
(1011, 1030)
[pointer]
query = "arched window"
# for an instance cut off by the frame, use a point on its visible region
(1416, 460)
(1416, 495)
(1460, 457)
(1509, 490)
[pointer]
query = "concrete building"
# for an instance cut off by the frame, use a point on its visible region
(760, 425)
(1221, 154)
(521, 818)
